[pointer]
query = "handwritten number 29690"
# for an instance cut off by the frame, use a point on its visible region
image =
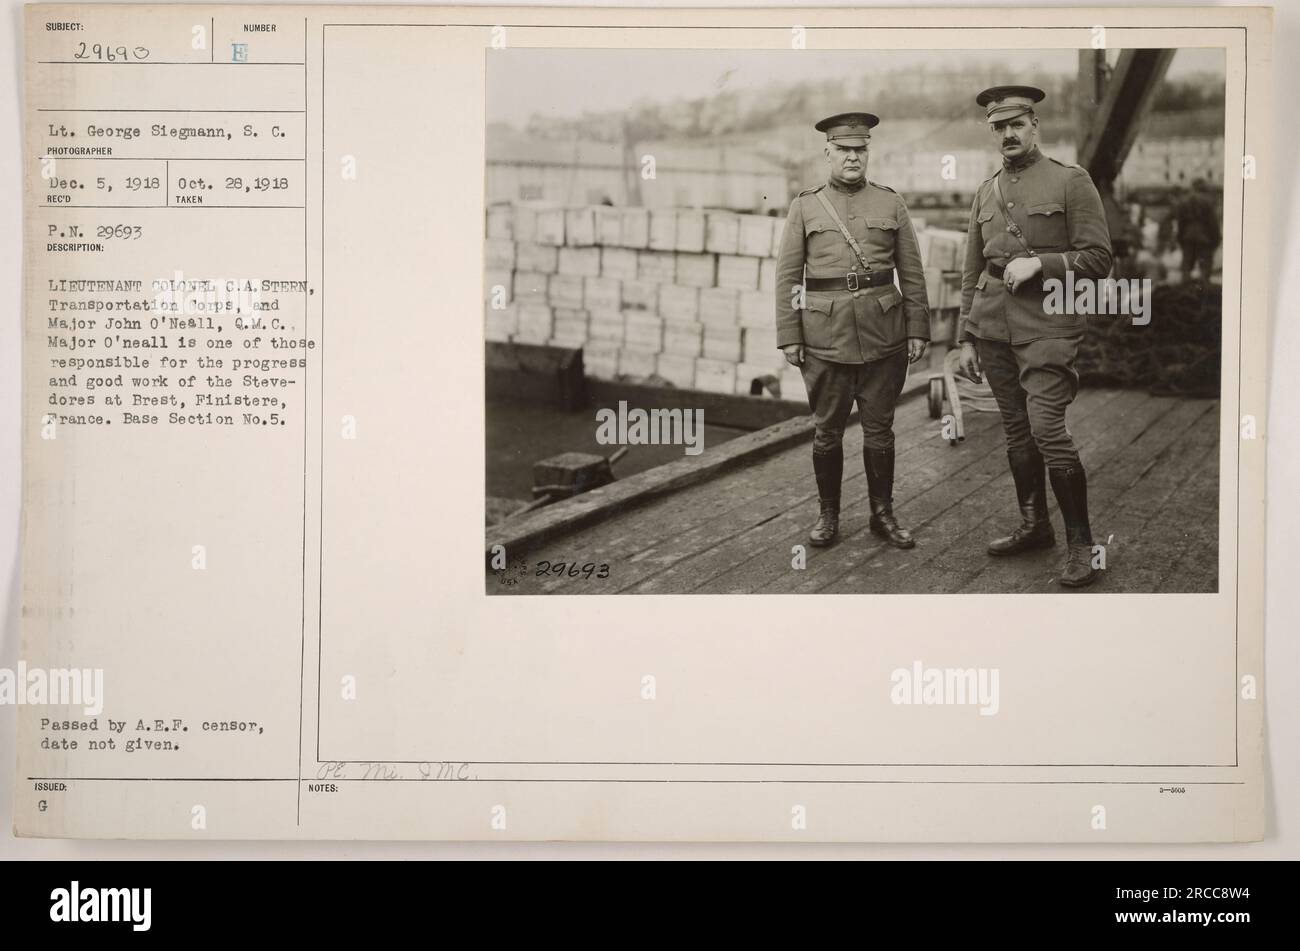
(110, 54)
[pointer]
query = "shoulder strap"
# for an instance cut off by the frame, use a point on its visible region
(1066, 164)
(1006, 216)
(843, 230)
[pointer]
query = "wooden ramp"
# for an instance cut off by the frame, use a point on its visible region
(1153, 480)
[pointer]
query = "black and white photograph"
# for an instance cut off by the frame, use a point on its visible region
(876, 321)
(954, 314)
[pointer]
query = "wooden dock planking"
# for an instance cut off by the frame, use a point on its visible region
(637, 545)
(677, 527)
(798, 498)
(935, 468)
(770, 570)
(1167, 493)
(662, 534)
(1132, 516)
(1197, 566)
(1114, 462)
(1160, 449)
(955, 506)
(959, 532)
(767, 542)
(994, 508)
(635, 538)
(1153, 477)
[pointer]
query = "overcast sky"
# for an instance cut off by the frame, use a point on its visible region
(524, 82)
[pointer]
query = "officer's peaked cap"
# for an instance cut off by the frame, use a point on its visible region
(1008, 102)
(848, 128)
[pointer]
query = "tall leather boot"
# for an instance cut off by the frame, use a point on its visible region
(828, 467)
(1071, 488)
(1035, 529)
(879, 464)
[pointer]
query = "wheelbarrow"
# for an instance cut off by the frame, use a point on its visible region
(961, 393)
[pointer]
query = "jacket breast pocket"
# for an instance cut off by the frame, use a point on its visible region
(881, 234)
(1046, 226)
(987, 229)
(822, 241)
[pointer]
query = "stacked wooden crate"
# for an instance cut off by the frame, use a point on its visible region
(681, 294)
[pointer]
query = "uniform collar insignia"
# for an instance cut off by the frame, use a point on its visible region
(1026, 160)
(846, 187)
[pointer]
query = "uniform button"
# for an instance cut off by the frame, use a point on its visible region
(1015, 180)
(1011, 204)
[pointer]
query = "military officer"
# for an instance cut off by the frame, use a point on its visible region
(842, 321)
(1035, 220)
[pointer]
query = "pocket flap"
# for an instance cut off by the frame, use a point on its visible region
(984, 279)
(890, 298)
(1046, 208)
(889, 224)
(819, 305)
(984, 216)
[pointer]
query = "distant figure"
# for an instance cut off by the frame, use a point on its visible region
(1124, 235)
(1198, 230)
(1146, 244)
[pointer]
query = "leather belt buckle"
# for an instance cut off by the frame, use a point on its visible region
(852, 280)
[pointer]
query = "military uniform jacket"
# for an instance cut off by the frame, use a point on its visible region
(846, 326)
(1060, 215)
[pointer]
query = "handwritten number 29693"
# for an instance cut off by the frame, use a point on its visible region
(571, 569)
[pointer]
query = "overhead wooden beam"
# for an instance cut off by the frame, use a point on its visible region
(1116, 120)
(1090, 90)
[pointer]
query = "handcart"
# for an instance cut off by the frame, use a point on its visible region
(961, 394)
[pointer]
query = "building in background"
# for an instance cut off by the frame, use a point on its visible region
(933, 163)
(526, 169)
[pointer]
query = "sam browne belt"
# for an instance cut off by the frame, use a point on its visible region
(852, 281)
(998, 272)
